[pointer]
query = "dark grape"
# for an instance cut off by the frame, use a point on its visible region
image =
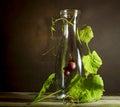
(67, 72)
(71, 65)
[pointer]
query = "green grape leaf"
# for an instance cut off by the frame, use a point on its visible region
(91, 62)
(75, 90)
(86, 34)
(86, 89)
(45, 86)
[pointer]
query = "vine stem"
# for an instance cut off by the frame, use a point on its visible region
(43, 98)
(89, 51)
(48, 51)
(64, 20)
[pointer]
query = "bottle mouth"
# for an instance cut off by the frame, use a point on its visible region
(69, 12)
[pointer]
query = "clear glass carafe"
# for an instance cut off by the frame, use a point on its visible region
(69, 51)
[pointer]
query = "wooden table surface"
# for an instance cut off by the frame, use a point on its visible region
(23, 99)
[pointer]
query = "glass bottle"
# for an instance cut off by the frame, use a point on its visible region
(69, 50)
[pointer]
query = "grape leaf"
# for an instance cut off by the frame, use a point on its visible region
(45, 86)
(91, 62)
(94, 89)
(86, 34)
(75, 87)
(87, 89)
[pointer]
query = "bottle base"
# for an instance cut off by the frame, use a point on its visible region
(61, 96)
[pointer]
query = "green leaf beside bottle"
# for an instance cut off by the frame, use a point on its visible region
(91, 63)
(86, 89)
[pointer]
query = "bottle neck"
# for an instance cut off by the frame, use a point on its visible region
(70, 19)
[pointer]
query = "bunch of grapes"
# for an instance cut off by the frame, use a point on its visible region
(69, 68)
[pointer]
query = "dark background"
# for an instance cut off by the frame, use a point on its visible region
(25, 34)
